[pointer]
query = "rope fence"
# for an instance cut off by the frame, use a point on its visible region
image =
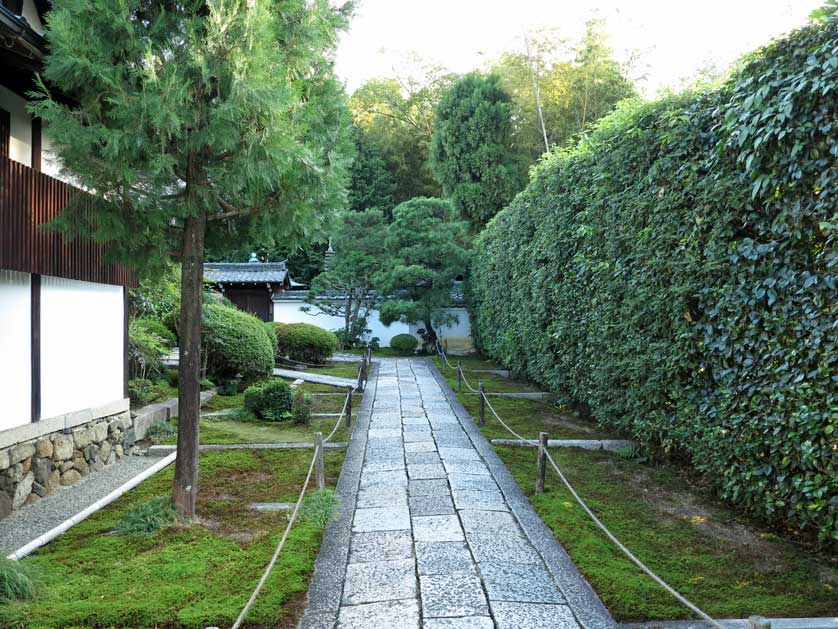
(316, 462)
(544, 452)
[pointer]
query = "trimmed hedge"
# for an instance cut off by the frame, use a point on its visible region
(236, 342)
(304, 342)
(270, 400)
(677, 274)
(404, 343)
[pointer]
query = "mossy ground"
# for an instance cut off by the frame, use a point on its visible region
(188, 576)
(725, 563)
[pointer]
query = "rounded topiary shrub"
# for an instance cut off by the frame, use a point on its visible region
(305, 342)
(236, 343)
(270, 400)
(404, 343)
(159, 329)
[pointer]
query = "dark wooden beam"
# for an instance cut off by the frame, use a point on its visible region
(124, 341)
(5, 132)
(36, 346)
(36, 144)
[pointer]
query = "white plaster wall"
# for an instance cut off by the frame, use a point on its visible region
(457, 335)
(81, 345)
(15, 349)
(289, 312)
(20, 146)
(31, 14)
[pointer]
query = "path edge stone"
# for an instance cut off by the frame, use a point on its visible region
(326, 585)
(585, 604)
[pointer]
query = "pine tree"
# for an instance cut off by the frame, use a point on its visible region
(194, 122)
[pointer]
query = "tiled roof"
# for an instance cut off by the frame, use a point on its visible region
(246, 272)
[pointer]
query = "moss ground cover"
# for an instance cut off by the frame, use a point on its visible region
(724, 562)
(187, 576)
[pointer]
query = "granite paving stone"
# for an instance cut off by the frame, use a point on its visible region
(443, 557)
(472, 482)
(425, 471)
(437, 528)
(381, 519)
(431, 505)
(381, 546)
(466, 622)
(379, 581)
(532, 616)
(454, 594)
(522, 583)
(402, 614)
(476, 468)
(388, 497)
(422, 457)
(485, 500)
(502, 546)
(420, 446)
(427, 487)
(480, 521)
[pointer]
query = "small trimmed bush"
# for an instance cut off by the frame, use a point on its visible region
(141, 391)
(158, 328)
(147, 518)
(236, 343)
(306, 343)
(270, 400)
(16, 583)
(404, 343)
(301, 410)
(160, 431)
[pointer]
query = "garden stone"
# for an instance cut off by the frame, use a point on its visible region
(66, 466)
(39, 489)
(105, 451)
(20, 452)
(100, 432)
(510, 615)
(96, 464)
(111, 458)
(454, 594)
(5, 504)
(118, 450)
(42, 468)
(15, 472)
(80, 465)
(62, 448)
(130, 439)
(91, 452)
(23, 489)
(53, 482)
(115, 425)
(70, 477)
(27, 464)
(43, 448)
(4, 459)
(31, 499)
(82, 437)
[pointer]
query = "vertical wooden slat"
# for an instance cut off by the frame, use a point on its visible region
(29, 200)
(5, 132)
(36, 144)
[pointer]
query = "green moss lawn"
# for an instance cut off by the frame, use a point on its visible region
(725, 563)
(187, 576)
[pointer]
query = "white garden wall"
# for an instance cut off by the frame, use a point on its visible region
(15, 349)
(20, 122)
(81, 345)
(458, 334)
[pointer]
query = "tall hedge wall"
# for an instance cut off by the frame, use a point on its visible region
(677, 272)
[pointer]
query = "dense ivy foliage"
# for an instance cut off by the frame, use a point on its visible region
(677, 274)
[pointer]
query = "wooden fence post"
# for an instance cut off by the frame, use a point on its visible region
(481, 392)
(361, 378)
(348, 406)
(541, 463)
(459, 377)
(319, 464)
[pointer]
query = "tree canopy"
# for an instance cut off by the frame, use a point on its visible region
(195, 122)
(425, 255)
(471, 152)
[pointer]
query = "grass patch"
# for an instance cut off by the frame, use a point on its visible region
(338, 370)
(193, 575)
(147, 518)
(16, 581)
(725, 563)
(230, 431)
(223, 403)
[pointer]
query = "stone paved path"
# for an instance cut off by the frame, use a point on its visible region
(432, 532)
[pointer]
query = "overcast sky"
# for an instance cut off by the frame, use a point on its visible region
(675, 38)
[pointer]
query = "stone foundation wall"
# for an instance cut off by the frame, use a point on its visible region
(33, 469)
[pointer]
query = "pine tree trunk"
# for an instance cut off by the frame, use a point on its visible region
(185, 485)
(429, 330)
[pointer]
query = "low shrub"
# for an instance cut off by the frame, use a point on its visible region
(146, 350)
(301, 409)
(172, 376)
(16, 582)
(304, 342)
(141, 391)
(404, 343)
(158, 328)
(147, 518)
(207, 384)
(160, 431)
(236, 343)
(270, 400)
